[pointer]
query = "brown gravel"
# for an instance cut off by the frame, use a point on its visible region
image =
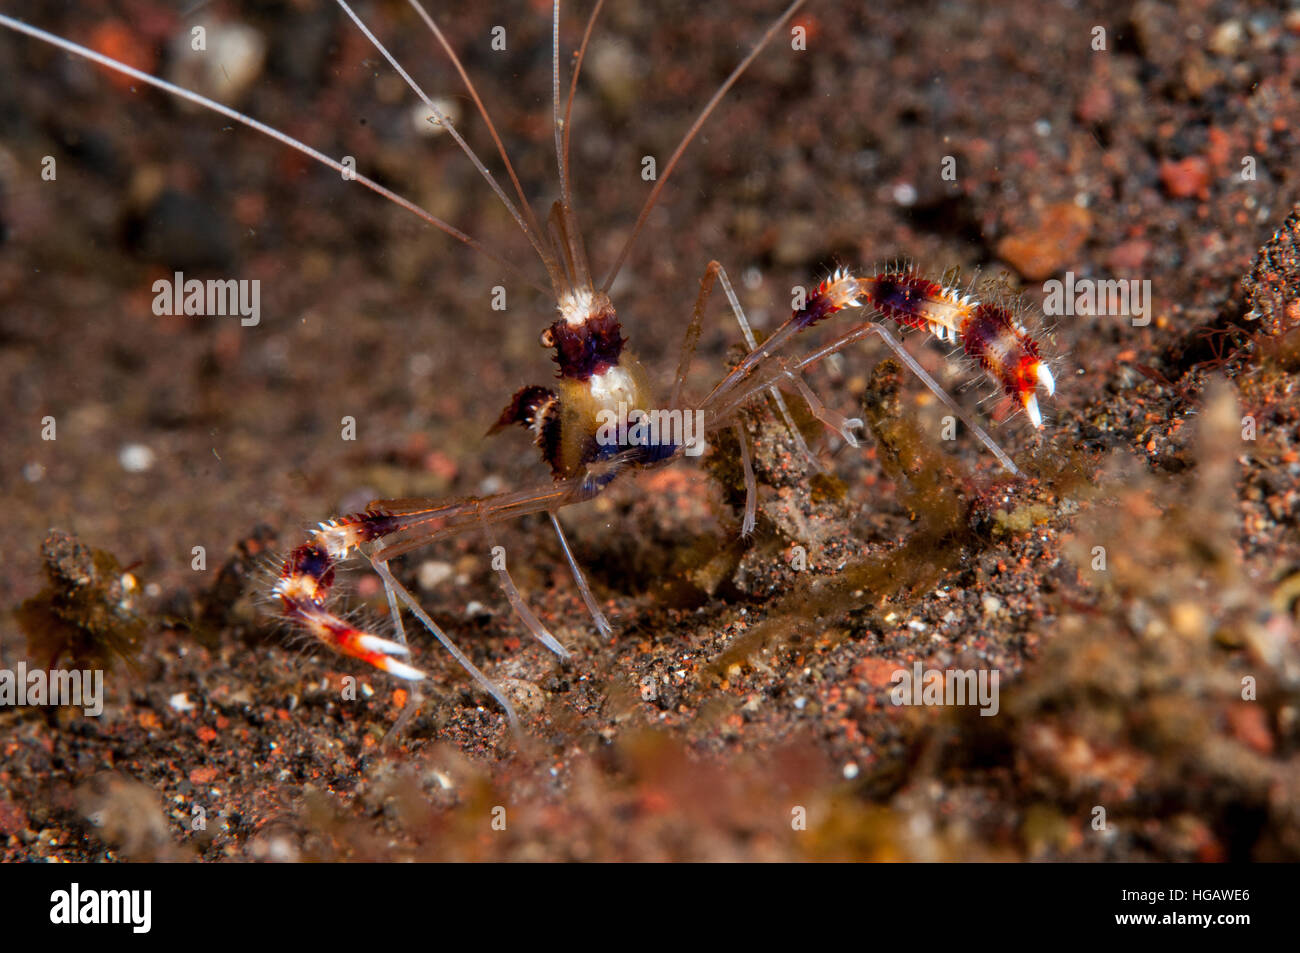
(740, 693)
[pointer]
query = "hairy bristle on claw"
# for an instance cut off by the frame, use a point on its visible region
(305, 580)
(988, 333)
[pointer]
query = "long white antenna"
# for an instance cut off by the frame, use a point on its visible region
(442, 120)
(707, 111)
(482, 110)
(577, 252)
(347, 173)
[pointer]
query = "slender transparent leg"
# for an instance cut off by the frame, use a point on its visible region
(393, 611)
(526, 615)
(416, 610)
(914, 366)
(602, 624)
(692, 337)
(833, 419)
(414, 698)
(752, 343)
(751, 485)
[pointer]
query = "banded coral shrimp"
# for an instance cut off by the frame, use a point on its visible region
(589, 346)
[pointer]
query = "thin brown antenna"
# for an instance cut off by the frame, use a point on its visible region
(547, 260)
(690, 134)
(348, 173)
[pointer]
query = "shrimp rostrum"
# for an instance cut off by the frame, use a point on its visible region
(595, 422)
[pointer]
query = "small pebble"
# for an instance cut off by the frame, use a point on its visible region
(1048, 245)
(226, 68)
(281, 851)
(1227, 38)
(420, 365)
(905, 194)
(1186, 178)
(135, 458)
(433, 572)
(425, 124)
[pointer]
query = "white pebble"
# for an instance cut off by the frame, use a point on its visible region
(281, 851)
(135, 458)
(227, 66)
(422, 118)
(420, 365)
(433, 572)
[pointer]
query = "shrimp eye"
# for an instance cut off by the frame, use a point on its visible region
(547, 339)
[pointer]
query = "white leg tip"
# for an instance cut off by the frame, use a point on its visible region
(1046, 379)
(1031, 408)
(553, 644)
(373, 643)
(401, 670)
(847, 427)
